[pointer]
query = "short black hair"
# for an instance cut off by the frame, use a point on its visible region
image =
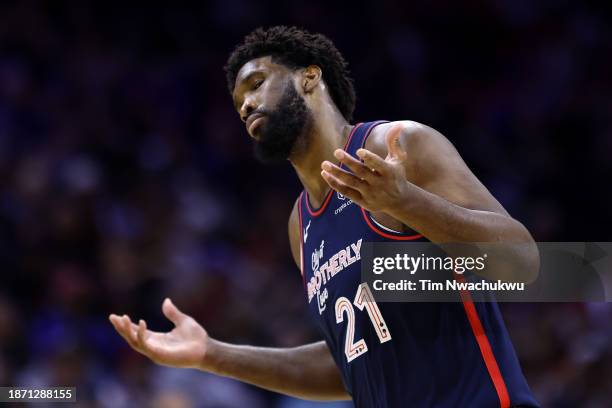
(297, 48)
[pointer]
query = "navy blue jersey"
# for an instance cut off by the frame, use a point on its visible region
(399, 354)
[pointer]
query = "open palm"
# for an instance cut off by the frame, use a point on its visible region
(184, 346)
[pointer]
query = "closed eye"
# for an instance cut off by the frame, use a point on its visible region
(257, 84)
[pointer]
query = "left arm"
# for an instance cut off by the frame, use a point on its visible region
(424, 183)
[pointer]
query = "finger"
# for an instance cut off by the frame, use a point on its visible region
(137, 336)
(373, 161)
(344, 176)
(114, 319)
(394, 148)
(141, 331)
(119, 322)
(356, 166)
(337, 185)
(130, 329)
(172, 312)
(118, 325)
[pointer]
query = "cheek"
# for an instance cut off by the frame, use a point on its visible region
(274, 90)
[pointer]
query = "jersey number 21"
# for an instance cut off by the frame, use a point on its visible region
(363, 298)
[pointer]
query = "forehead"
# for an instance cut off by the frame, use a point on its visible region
(254, 65)
(261, 64)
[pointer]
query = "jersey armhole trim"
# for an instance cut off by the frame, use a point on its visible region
(389, 235)
(370, 221)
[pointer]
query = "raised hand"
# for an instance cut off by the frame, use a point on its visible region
(184, 346)
(375, 184)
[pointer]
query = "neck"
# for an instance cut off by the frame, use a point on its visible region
(328, 132)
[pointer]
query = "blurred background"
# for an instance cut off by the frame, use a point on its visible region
(126, 176)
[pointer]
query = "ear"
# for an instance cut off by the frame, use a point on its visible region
(311, 76)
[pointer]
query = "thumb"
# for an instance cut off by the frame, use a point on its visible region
(172, 312)
(394, 148)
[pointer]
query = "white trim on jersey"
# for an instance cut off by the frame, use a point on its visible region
(383, 227)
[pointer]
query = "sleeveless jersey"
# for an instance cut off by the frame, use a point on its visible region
(399, 354)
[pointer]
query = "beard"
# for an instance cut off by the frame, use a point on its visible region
(285, 129)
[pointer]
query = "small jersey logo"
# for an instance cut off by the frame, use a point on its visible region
(306, 231)
(317, 254)
(321, 298)
(345, 203)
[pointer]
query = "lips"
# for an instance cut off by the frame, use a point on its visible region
(253, 121)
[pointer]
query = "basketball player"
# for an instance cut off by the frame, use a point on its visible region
(374, 181)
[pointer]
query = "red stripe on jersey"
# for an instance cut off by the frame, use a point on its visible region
(301, 239)
(485, 347)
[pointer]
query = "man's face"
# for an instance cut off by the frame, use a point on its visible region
(275, 114)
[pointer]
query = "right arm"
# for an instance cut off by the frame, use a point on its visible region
(307, 372)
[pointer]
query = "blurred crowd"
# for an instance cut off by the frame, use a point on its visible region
(126, 177)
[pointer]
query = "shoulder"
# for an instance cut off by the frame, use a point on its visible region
(433, 163)
(294, 232)
(426, 148)
(294, 217)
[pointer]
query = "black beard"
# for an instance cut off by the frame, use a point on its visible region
(285, 127)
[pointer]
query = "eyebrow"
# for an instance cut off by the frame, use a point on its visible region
(246, 78)
(250, 74)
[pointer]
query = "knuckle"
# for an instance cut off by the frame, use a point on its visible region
(360, 171)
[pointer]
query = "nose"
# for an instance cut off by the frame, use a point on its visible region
(246, 109)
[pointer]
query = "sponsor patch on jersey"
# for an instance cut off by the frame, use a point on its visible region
(345, 203)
